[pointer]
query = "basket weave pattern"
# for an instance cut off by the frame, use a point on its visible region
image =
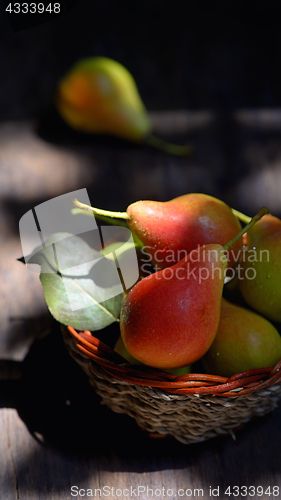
(191, 408)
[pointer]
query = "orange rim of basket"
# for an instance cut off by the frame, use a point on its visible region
(241, 384)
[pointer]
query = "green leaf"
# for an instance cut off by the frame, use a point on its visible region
(64, 251)
(83, 294)
(68, 266)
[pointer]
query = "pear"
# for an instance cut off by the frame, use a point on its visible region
(121, 349)
(169, 319)
(261, 280)
(99, 95)
(244, 341)
(169, 230)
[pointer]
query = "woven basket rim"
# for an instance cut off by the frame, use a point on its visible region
(238, 385)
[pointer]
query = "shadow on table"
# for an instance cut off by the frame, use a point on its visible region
(63, 413)
(137, 171)
(236, 157)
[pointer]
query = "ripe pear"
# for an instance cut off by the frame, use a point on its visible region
(121, 349)
(170, 230)
(261, 283)
(169, 319)
(99, 95)
(244, 341)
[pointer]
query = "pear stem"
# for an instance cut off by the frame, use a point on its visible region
(107, 219)
(240, 216)
(167, 147)
(80, 211)
(245, 229)
(98, 211)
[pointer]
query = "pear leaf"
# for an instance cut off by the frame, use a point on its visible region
(81, 286)
(63, 252)
(63, 295)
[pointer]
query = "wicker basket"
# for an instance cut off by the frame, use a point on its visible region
(191, 408)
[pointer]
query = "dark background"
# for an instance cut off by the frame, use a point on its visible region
(195, 55)
(183, 55)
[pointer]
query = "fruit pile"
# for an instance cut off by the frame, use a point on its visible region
(183, 311)
(213, 296)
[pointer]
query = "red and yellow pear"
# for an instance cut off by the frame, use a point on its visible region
(170, 230)
(121, 349)
(169, 319)
(99, 95)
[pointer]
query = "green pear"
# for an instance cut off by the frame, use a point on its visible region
(244, 341)
(232, 293)
(261, 281)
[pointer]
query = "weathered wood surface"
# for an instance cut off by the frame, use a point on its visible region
(53, 432)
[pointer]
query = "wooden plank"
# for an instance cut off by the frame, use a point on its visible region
(86, 445)
(30, 471)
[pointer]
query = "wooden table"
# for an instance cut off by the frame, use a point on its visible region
(54, 434)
